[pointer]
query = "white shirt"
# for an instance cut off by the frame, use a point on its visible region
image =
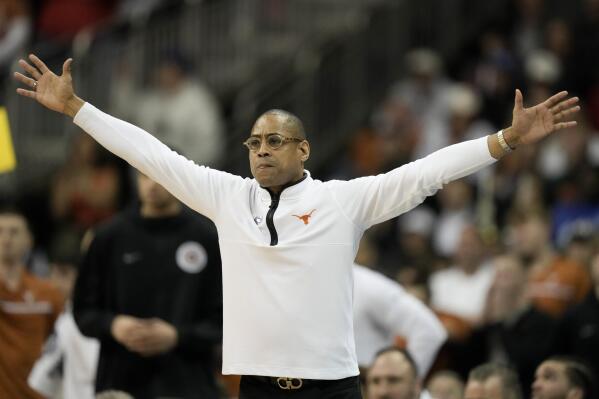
(461, 294)
(448, 230)
(79, 357)
(188, 119)
(287, 308)
(384, 310)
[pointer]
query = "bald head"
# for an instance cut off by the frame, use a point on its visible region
(393, 375)
(291, 123)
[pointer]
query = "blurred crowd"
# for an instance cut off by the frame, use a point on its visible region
(507, 260)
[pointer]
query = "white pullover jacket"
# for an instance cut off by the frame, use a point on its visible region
(287, 260)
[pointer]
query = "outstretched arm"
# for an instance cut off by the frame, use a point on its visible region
(374, 199)
(201, 188)
(529, 125)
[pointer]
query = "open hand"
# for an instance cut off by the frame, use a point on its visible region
(530, 125)
(52, 91)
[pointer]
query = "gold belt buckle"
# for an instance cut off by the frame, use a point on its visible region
(289, 383)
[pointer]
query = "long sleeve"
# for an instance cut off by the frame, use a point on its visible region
(383, 310)
(200, 187)
(90, 308)
(401, 314)
(422, 330)
(374, 199)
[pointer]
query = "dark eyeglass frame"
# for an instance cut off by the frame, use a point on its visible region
(258, 140)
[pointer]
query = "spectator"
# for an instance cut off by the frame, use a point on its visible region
(494, 74)
(555, 283)
(460, 291)
(579, 332)
(84, 192)
(416, 258)
(455, 214)
(384, 311)
(67, 368)
(445, 384)
(581, 240)
(563, 378)
(458, 296)
(399, 128)
(149, 289)
(542, 71)
(15, 29)
(414, 230)
(424, 91)
(28, 308)
(464, 122)
(492, 381)
(514, 333)
(393, 375)
(559, 40)
(528, 25)
(177, 109)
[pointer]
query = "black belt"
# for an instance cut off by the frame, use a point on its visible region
(288, 383)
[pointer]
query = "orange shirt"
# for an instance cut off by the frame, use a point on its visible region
(27, 317)
(558, 286)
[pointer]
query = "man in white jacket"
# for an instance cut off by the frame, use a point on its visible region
(288, 241)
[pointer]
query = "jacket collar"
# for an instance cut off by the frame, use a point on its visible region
(291, 190)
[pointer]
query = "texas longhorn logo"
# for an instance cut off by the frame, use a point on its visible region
(305, 218)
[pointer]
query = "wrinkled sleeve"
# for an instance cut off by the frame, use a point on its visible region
(401, 314)
(200, 187)
(370, 200)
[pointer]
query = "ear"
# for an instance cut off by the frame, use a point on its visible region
(304, 148)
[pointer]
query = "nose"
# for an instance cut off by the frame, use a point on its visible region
(264, 150)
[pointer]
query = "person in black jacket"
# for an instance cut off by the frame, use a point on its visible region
(514, 333)
(579, 329)
(150, 290)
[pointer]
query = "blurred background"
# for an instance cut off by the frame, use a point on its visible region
(377, 83)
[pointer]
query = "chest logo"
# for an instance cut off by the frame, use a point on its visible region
(305, 218)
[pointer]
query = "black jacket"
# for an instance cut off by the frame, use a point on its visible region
(579, 332)
(524, 342)
(167, 268)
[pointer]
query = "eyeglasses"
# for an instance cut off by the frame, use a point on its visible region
(273, 141)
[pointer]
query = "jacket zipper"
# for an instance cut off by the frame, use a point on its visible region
(274, 203)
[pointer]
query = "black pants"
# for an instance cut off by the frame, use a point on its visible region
(253, 387)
